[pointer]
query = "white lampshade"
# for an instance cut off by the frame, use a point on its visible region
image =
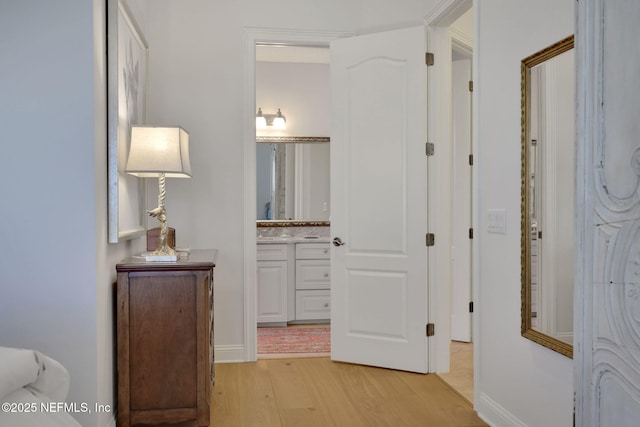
(155, 150)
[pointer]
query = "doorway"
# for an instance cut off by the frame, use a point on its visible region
(252, 38)
(293, 188)
(416, 106)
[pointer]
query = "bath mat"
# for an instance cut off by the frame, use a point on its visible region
(294, 340)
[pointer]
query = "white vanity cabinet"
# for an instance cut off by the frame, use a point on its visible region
(313, 281)
(273, 279)
(293, 282)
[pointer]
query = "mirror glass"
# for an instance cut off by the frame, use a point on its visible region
(548, 196)
(292, 179)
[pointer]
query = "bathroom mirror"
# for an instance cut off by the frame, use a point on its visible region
(292, 175)
(547, 213)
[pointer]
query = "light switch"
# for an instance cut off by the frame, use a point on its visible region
(497, 221)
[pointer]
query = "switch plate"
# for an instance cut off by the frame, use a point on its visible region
(497, 221)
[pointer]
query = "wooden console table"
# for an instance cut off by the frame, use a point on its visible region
(165, 340)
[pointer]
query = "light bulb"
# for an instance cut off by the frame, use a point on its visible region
(261, 122)
(279, 121)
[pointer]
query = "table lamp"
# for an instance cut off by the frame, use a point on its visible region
(159, 152)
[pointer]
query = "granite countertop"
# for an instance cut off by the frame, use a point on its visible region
(293, 239)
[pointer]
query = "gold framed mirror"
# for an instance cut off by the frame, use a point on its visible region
(292, 180)
(547, 196)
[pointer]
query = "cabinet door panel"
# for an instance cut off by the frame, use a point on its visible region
(272, 291)
(162, 341)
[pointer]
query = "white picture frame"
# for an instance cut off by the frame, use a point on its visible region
(127, 74)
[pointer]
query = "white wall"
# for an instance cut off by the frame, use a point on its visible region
(56, 269)
(48, 264)
(301, 91)
(520, 382)
(196, 80)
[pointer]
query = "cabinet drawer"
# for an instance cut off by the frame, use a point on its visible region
(311, 305)
(313, 274)
(272, 252)
(312, 251)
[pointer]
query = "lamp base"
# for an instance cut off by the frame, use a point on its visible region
(161, 258)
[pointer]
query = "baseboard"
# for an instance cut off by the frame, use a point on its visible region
(229, 353)
(494, 414)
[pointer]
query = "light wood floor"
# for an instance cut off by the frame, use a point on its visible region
(314, 392)
(460, 376)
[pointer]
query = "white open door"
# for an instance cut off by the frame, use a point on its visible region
(379, 200)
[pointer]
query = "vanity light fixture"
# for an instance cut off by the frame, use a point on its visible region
(159, 152)
(277, 121)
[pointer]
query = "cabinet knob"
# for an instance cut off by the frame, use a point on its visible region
(326, 274)
(326, 304)
(337, 241)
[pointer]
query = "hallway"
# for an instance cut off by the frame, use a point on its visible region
(460, 377)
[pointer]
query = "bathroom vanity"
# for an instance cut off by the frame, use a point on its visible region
(293, 280)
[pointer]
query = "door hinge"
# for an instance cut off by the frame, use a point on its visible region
(470, 85)
(430, 148)
(431, 239)
(540, 234)
(470, 159)
(471, 233)
(431, 329)
(429, 59)
(470, 306)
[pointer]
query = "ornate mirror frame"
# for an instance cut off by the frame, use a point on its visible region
(527, 330)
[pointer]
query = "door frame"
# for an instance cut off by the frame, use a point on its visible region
(251, 37)
(440, 41)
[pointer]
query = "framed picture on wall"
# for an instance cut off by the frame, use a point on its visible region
(127, 70)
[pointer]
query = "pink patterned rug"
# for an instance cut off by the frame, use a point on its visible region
(294, 340)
